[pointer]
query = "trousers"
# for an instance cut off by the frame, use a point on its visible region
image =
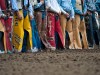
(6, 28)
(35, 35)
(52, 27)
(67, 25)
(41, 21)
(21, 31)
(92, 30)
(79, 28)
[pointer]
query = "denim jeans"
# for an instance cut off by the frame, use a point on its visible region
(92, 31)
(35, 35)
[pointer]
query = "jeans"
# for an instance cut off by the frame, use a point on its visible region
(92, 31)
(35, 35)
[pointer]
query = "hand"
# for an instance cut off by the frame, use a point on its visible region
(47, 7)
(31, 17)
(59, 13)
(19, 15)
(42, 2)
(72, 19)
(67, 15)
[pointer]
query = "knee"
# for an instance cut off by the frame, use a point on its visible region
(82, 29)
(69, 30)
(75, 27)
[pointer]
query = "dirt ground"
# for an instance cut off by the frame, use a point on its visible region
(66, 62)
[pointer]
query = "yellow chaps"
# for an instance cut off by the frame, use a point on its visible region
(18, 32)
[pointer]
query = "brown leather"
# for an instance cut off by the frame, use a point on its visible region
(67, 26)
(2, 28)
(41, 25)
(79, 26)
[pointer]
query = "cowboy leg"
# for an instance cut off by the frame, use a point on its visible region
(77, 40)
(83, 33)
(69, 29)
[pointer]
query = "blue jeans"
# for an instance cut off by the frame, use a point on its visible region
(35, 36)
(92, 31)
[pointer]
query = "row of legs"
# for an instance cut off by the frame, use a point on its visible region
(50, 30)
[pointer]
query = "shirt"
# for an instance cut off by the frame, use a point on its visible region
(98, 6)
(77, 10)
(40, 6)
(33, 2)
(90, 5)
(67, 6)
(53, 5)
(15, 6)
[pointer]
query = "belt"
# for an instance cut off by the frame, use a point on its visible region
(25, 7)
(39, 10)
(51, 12)
(79, 4)
(20, 9)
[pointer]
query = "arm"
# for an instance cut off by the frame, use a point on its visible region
(15, 8)
(72, 12)
(85, 7)
(59, 2)
(51, 8)
(64, 12)
(30, 10)
(14, 5)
